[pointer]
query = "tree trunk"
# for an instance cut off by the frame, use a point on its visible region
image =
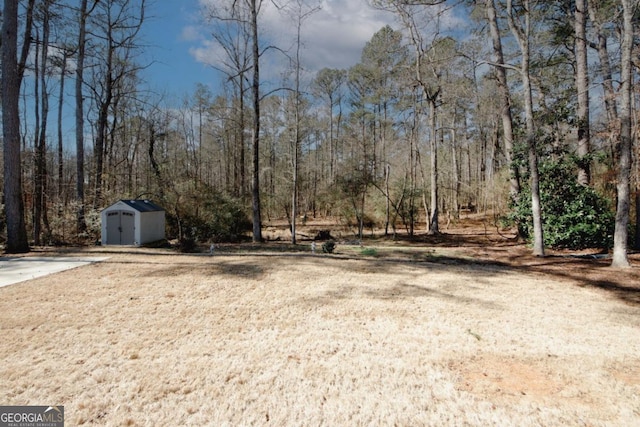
(522, 35)
(413, 168)
(331, 142)
(36, 208)
(434, 227)
(600, 29)
(582, 87)
(636, 239)
(82, 36)
(241, 187)
(296, 151)
(40, 184)
(255, 191)
(621, 234)
(11, 79)
(455, 191)
(296, 135)
(505, 99)
(536, 207)
(63, 71)
(605, 63)
(154, 163)
(99, 147)
(387, 209)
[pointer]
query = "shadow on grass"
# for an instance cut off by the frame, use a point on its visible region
(508, 255)
(623, 284)
(403, 290)
(398, 292)
(490, 254)
(628, 294)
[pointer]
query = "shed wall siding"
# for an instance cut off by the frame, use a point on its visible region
(151, 227)
(148, 226)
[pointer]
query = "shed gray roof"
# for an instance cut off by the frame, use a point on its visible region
(143, 205)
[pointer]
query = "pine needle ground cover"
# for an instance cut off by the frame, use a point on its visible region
(149, 337)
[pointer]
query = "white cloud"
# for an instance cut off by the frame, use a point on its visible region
(190, 33)
(332, 37)
(335, 35)
(203, 52)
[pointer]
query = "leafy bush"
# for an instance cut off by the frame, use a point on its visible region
(573, 216)
(220, 218)
(369, 252)
(187, 245)
(328, 247)
(228, 218)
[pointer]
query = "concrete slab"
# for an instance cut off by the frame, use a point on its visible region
(20, 269)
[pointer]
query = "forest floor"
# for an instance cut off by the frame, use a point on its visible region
(465, 328)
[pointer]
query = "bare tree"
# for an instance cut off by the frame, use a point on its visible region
(254, 9)
(42, 114)
(386, 60)
(244, 15)
(61, 61)
(202, 101)
(427, 78)
(299, 12)
(120, 23)
(233, 36)
(83, 14)
(328, 84)
(599, 14)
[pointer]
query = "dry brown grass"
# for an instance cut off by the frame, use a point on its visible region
(415, 336)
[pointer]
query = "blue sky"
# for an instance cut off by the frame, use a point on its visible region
(174, 69)
(177, 45)
(180, 44)
(179, 50)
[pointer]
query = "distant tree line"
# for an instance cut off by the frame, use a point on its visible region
(431, 122)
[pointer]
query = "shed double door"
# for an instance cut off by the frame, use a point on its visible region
(120, 228)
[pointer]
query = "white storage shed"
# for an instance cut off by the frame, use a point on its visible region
(132, 222)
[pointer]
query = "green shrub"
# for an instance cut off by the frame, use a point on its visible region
(214, 217)
(328, 247)
(187, 245)
(369, 252)
(228, 218)
(573, 216)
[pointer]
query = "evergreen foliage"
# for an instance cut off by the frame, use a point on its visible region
(218, 217)
(328, 247)
(574, 216)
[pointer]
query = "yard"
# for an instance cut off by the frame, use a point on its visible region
(466, 329)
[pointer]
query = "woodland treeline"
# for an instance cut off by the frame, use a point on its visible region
(529, 107)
